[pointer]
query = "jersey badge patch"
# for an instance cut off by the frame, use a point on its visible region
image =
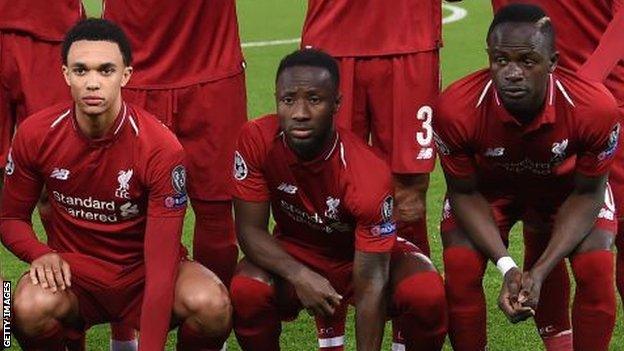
(332, 207)
(60, 173)
(129, 210)
(240, 167)
(178, 179)
(123, 177)
(611, 143)
(383, 229)
(176, 201)
(10, 166)
(559, 151)
(387, 208)
(494, 151)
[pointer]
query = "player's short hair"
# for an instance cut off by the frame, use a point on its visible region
(98, 29)
(524, 13)
(313, 58)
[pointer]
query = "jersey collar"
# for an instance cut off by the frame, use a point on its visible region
(547, 116)
(112, 134)
(328, 151)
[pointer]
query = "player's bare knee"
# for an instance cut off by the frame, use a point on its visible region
(598, 239)
(34, 306)
(211, 310)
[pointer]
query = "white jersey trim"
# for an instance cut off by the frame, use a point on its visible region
(565, 93)
(398, 347)
(485, 90)
(331, 342)
(332, 148)
(60, 118)
(123, 119)
(134, 126)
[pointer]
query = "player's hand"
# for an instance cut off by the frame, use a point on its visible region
(50, 271)
(410, 197)
(508, 298)
(530, 289)
(316, 293)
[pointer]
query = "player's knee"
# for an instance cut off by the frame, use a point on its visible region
(250, 296)
(593, 269)
(212, 310)
(422, 296)
(34, 306)
(463, 269)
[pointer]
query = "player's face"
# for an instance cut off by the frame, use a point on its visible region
(306, 103)
(521, 59)
(95, 72)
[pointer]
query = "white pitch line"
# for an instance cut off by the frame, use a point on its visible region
(457, 13)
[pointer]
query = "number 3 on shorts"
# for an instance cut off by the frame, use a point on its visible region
(425, 114)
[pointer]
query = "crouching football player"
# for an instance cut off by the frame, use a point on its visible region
(335, 240)
(526, 141)
(115, 178)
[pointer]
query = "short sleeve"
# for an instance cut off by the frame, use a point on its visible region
(599, 139)
(167, 183)
(248, 180)
(451, 140)
(370, 200)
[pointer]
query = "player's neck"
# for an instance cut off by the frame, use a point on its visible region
(314, 151)
(96, 126)
(525, 115)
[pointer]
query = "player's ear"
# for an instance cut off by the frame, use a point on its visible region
(127, 73)
(337, 103)
(66, 74)
(554, 59)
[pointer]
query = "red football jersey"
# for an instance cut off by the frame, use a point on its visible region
(373, 27)
(179, 43)
(329, 206)
(44, 19)
(579, 25)
(577, 131)
(120, 199)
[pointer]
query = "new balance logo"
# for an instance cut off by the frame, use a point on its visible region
(425, 154)
(287, 188)
(60, 174)
(495, 151)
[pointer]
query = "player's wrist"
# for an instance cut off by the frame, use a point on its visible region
(505, 264)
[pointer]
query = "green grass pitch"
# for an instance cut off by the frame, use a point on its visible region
(464, 51)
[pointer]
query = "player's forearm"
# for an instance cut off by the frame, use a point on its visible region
(162, 257)
(18, 236)
(573, 223)
(473, 214)
(370, 280)
(262, 249)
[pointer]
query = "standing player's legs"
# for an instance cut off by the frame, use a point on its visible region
(419, 313)
(464, 267)
(552, 316)
(401, 91)
(207, 120)
(260, 303)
